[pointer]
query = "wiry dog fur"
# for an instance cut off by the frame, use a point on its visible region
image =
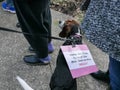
(61, 78)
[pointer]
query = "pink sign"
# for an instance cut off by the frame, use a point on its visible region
(79, 60)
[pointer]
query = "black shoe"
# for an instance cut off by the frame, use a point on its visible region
(102, 76)
(33, 59)
(18, 25)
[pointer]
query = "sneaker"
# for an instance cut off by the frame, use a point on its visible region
(33, 59)
(10, 9)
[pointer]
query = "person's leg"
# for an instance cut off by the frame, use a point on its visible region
(30, 16)
(38, 26)
(114, 73)
(48, 23)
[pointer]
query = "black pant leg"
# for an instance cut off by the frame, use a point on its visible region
(30, 15)
(48, 21)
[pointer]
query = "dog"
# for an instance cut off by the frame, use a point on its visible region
(61, 78)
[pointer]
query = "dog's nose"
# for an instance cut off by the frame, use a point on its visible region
(60, 22)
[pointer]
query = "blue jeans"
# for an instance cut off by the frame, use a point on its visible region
(9, 3)
(114, 70)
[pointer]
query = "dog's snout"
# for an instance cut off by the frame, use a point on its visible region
(60, 22)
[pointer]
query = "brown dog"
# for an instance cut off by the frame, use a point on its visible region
(62, 78)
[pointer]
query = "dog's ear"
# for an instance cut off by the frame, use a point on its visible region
(72, 22)
(65, 31)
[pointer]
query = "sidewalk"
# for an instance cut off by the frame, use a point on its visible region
(13, 47)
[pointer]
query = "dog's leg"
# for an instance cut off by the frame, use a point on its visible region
(61, 78)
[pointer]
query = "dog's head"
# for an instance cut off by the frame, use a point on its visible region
(69, 27)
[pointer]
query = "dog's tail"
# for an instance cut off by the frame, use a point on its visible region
(23, 84)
